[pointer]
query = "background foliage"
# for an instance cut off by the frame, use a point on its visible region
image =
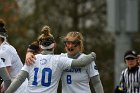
(85, 16)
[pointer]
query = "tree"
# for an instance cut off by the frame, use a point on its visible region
(85, 16)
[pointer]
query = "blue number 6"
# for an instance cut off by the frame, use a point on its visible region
(43, 83)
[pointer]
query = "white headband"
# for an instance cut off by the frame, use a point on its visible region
(47, 47)
(3, 37)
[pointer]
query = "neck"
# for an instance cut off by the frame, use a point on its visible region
(45, 52)
(133, 69)
(1, 42)
(74, 56)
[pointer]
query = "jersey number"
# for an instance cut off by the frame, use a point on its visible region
(69, 79)
(44, 71)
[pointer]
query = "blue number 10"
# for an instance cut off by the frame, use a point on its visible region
(43, 83)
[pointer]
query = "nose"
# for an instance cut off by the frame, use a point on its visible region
(70, 45)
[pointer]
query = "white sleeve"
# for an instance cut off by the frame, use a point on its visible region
(64, 62)
(6, 57)
(92, 69)
(1, 63)
(26, 68)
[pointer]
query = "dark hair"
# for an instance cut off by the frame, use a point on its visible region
(34, 47)
(3, 31)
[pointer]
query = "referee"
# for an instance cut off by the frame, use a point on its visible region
(130, 77)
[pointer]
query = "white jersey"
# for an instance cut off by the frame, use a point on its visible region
(45, 74)
(76, 80)
(1, 63)
(10, 58)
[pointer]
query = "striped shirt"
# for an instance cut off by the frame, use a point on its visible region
(130, 80)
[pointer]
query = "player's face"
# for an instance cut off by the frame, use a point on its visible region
(72, 46)
(131, 62)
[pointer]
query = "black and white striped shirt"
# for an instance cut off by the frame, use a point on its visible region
(130, 80)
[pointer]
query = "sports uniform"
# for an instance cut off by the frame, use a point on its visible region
(76, 80)
(130, 80)
(1, 64)
(4, 75)
(10, 58)
(45, 74)
(130, 76)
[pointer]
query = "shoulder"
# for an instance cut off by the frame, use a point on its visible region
(63, 54)
(38, 55)
(7, 47)
(82, 55)
(41, 56)
(1, 63)
(124, 71)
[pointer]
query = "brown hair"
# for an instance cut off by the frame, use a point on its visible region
(34, 47)
(45, 35)
(77, 36)
(2, 22)
(3, 31)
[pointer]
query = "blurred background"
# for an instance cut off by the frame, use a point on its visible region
(110, 27)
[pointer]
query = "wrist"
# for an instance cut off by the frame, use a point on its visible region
(30, 51)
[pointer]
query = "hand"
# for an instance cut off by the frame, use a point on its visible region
(30, 57)
(2, 88)
(93, 54)
(119, 90)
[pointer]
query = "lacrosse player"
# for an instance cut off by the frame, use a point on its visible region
(9, 56)
(45, 73)
(4, 75)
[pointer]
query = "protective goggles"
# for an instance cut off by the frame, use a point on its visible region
(75, 42)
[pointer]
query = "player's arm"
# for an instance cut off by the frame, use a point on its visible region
(17, 82)
(29, 59)
(8, 69)
(85, 60)
(30, 55)
(5, 76)
(96, 82)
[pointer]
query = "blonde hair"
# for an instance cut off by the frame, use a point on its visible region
(77, 36)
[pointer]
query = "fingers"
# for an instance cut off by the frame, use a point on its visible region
(93, 54)
(30, 58)
(30, 61)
